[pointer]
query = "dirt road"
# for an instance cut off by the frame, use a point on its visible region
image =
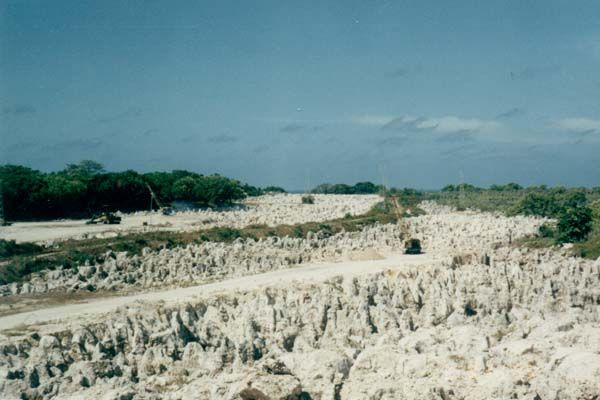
(307, 273)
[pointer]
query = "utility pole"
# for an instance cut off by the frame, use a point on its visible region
(461, 189)
(382, 172)
(307, 180)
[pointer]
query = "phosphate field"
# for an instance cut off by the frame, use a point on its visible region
(329, 307)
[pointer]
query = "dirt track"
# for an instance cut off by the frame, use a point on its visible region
(307, 273)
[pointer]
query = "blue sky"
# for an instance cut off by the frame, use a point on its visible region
(298, 93)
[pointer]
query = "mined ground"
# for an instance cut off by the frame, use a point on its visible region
(268, 210)
(324, 316)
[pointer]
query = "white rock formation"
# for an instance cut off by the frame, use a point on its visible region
(208, 261)
(528, 325)
(490, 322)
(441, 231)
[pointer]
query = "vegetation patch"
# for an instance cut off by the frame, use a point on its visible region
(10, 248)
(577, 211)
(308, 199)
(342, 188)
(84, 189)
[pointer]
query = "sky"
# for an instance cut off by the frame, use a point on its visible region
(406, 93)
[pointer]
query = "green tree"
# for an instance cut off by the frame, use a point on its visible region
(125, 191)
(576, 199)
(574, 224)
(216, 190)
(84, 169)
(513, 186)
(162, 184)
(538, 203)
(251, 191)
(274, 189)
(84, 188)
(64, 196)
(365, 188)
(323, 188)
(21, 188)
(183, 189)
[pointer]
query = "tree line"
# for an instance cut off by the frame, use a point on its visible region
(85, 188)
(342, 188)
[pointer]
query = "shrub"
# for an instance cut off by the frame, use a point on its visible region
(546, 231)
(308, 199)
(464, 187)
(326, 229)
(574, 224)
(298, 232)
(508, 187)
(228, 234)
(9, 248)
(274, 189)
(540, 204)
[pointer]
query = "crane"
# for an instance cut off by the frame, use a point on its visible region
(154, 197)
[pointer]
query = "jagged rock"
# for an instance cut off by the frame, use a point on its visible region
(262, 386)
(526, 324)
(208, 261)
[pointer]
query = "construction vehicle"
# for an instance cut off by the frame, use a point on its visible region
(106, 217)
(153, 197)
(412, 246)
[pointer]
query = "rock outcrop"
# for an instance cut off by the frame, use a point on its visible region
(525, 326)
(441, 230)
(488, 321)
(206, 262)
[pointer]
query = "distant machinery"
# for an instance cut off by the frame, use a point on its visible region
(165, 210)
(412, 246)
(106, 217)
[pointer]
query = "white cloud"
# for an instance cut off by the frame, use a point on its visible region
(579, 124)
(450, 124)
(447, 124)
(441, 125)
(372, 120)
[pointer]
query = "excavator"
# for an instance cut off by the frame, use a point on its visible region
(153, 197)
(105, 217)
(110, 218)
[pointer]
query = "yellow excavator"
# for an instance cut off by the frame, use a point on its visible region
(106, 217)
